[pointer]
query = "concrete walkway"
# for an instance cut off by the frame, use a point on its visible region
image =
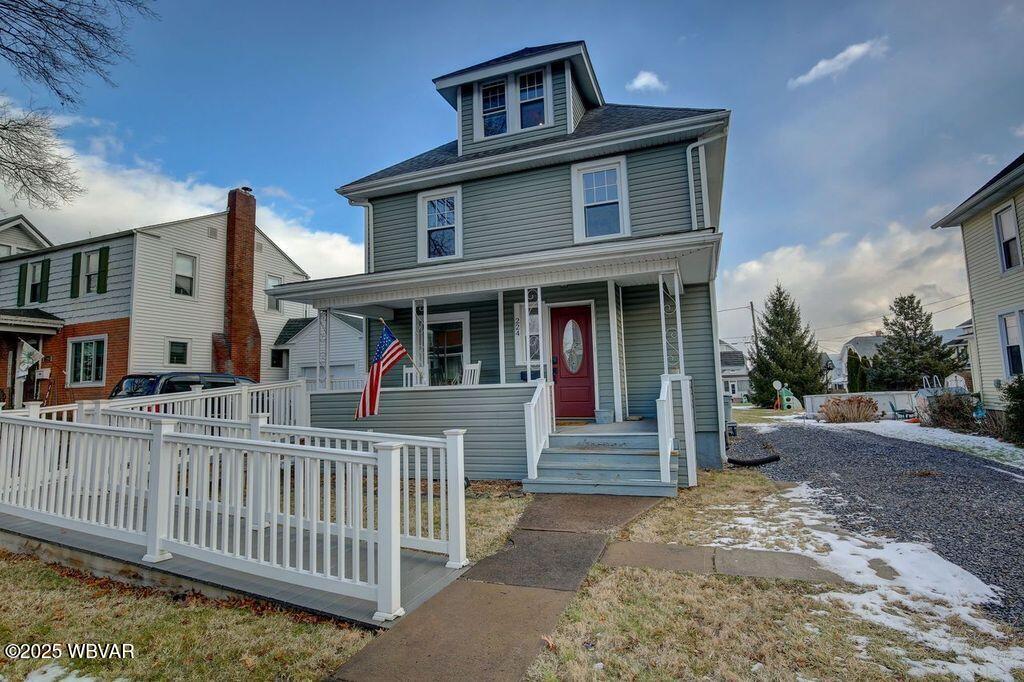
(489, 623)
(748, 563)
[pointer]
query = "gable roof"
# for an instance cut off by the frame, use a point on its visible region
(865, 346)
(1002, 183)
(27, 224)
(605, 119)
(292, 327)
(513, 56)
(32, 313)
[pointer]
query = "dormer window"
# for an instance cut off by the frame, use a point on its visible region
(495, 113)
(531, 99)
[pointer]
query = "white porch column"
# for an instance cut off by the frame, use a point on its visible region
(661, 318)
(613, 328)
(420, 351)
(323, 350)
(678, 286)
(501, 336)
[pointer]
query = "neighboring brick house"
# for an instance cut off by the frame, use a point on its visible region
(185, 295)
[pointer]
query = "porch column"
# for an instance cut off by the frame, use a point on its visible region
(323, 355)
(661, 318)
(420, 353)
(501, 336)
(613, 327)
(678, 285)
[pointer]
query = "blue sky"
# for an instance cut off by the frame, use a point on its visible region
(833, 171)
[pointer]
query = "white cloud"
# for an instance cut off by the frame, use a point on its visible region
(1018, 131)
(122, 196)
(987, 159)
(646, 81)
(836, 281)
(874, 48)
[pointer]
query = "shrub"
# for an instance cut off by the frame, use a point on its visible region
(1013, 395)
(856, 408)
(953, 411)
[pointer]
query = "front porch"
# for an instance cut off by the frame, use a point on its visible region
(624, 343)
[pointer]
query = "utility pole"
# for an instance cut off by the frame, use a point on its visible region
(753, 323)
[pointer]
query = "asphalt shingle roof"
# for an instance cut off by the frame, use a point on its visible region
(733, 358)
(513, 56)
(32, 313)
(291, 328)
(607, 119)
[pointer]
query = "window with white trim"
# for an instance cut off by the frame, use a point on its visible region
(1010, 334)
(273, 302)
(531, 99)
(1008, 237)
(177, 352)
(278, 358)
(527, 338)
(440, 224)
(35, 282)
(6, 250)
(185, 275)
(90, 271)
(600, 200)
(493, 107)
(87, 359)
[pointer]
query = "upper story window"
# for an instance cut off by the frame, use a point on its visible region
(1010, 335)
(512, 103)
(531, 99)
(35, 282)
(600, 201)
(91, 271)
(440, 224)
(184, 275)
(6, 250)
(492, 105)
(273, 303)
(1007, 236)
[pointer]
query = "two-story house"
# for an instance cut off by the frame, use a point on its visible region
(189, 295)
(565, 246)
(989, 222)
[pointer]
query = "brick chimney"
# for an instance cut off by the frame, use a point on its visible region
(237, 349)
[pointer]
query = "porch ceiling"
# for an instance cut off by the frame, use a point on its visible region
(637, 261)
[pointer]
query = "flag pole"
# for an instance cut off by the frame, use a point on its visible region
(411, 360)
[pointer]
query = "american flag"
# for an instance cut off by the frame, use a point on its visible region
(389, 352)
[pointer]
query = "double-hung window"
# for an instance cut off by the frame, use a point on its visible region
(87, 360)
(440, 224)
(6, 250)
(494, 108)
(1007, 236)
(600, 199)
(273, 302)
(177, 352)
(531, 99)
(184, 275)
(35, 282)
(91, 271)
(1010, 335)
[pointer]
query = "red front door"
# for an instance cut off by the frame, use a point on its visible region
(572, 348)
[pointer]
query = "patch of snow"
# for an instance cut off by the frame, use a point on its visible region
(54, 672)
(742, 407)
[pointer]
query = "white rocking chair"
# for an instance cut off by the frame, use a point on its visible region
(471, 374)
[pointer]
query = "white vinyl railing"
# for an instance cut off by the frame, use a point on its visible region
(352, 383)
(323, 509)
(667, 432)
(540, 424)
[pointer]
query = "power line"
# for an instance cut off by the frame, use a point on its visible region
(725, 310)
(867, 331)
(869, 319)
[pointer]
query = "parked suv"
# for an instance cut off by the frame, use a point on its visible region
(135, 385)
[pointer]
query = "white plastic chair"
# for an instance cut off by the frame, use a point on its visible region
(471, 374)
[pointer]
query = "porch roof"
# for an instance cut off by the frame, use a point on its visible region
(29, 321)
(693, 254)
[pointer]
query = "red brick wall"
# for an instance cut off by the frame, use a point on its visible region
(237, 349)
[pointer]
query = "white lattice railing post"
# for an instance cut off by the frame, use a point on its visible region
(195, 405)
(33, 407)
(257, 423)
(456, 472)
(389, 540)
(158, 509)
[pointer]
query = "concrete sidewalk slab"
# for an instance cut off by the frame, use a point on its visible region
(557, 561)
(583, 513)
(755, 563)
(690, 559)
(470, 631)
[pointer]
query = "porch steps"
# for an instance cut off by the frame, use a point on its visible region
(605, 464)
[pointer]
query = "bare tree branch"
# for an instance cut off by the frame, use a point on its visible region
(34, 166)
(58, 42)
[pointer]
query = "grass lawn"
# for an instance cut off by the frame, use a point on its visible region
(191, 637)
(755, 415)
(652, 624)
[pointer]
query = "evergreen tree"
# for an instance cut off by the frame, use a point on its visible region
(856, 372)
(911, 349)
(785, 351)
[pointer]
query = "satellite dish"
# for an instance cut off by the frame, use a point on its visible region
(777, 385)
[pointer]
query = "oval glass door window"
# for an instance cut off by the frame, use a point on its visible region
(572, 347)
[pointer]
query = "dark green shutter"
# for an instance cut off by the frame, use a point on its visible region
(44, 284)
(22, 280)
(101, 280)
(76, 273)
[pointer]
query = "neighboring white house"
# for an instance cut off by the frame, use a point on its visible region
(19, 235)
(298, 344)
(735, 375)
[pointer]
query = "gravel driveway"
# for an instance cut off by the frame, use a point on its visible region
(969, 509)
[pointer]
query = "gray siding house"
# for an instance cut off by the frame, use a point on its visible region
(570, 247)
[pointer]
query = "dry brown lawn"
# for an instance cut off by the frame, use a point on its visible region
(492, 510)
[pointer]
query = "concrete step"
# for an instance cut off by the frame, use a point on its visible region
(643, 488)
(614, 440)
